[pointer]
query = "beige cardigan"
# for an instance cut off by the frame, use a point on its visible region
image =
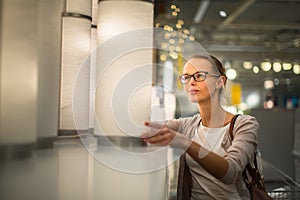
(238, 154)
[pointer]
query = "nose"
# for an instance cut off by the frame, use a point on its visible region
(192, 81)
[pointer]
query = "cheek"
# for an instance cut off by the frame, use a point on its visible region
(203, 86)
(186, 88)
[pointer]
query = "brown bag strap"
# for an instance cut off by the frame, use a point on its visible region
(231, 126)
(253, 172)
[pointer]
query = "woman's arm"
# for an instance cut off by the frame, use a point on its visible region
(227, 168)
(212, 162)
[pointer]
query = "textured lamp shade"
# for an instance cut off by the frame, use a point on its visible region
(124, 66)
(75, 52)
(19, 72)
(49, 50)
(83, 7)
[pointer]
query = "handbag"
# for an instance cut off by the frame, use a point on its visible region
(255, 183)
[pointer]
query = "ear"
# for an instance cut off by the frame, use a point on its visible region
(221, 82)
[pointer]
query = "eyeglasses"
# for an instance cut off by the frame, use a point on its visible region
(198, 76)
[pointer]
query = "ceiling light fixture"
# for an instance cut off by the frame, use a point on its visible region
(277, 67)
(296, 69)
(255, 69)
(287, 66)
(266, 66)
(247, 64)
(222, 13)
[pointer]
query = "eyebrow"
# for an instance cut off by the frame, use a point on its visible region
(196, 72)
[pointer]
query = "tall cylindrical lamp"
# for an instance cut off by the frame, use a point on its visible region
(125, 49)
(19, 76)
(76, 43)
(123, 95)
(49, 55)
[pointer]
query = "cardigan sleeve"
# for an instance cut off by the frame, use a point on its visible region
(185, 125)
(242, 148)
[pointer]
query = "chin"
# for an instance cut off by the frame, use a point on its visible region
(193, 99)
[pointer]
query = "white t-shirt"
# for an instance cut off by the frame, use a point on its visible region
(206, 186)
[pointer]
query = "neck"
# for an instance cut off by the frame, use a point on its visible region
(213, 115)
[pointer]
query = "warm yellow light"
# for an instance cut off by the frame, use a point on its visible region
(255, 69)
(247, 64)
(172, 41)
(186, 31)
(287, 66)
(266, 66)
(181, 41)
(173, 55)
(177, 48)
(164, 45)
(276, 66)
(173, 6)
(180, 22)
(296, 69)
(178, 26)
(163, 57)
(192, 38)
(166, 36)
(171, 48)
(231, 74)
(177, 9)
(174, 13)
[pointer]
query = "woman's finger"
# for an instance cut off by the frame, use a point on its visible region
(162, 138)
(149, 134)
(155, 125)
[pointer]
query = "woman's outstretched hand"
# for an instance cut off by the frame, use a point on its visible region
(161, 135)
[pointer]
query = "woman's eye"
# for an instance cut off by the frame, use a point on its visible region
(199, 76)
(186, 77)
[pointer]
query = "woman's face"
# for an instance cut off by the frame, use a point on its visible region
(198, 92)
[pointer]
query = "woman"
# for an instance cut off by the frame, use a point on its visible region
(212, 166)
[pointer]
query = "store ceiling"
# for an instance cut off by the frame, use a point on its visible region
(253, 30)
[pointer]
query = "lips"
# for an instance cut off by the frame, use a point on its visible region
(193, 91)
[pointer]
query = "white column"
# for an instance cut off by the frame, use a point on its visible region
(49, 58)
(19, 72)
(123, 52)
(76, 36)
(123, 100)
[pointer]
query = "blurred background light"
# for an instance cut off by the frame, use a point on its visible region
(247, 64)
(255, 69)
(296, 69)
(222, 13)
(253, 100)
(277, 67)
(269, 84)
(231, 74)
(287, 66)
(266, 66)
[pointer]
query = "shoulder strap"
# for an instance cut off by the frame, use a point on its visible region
(253, 172)
(232, 125)
(232, 137)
